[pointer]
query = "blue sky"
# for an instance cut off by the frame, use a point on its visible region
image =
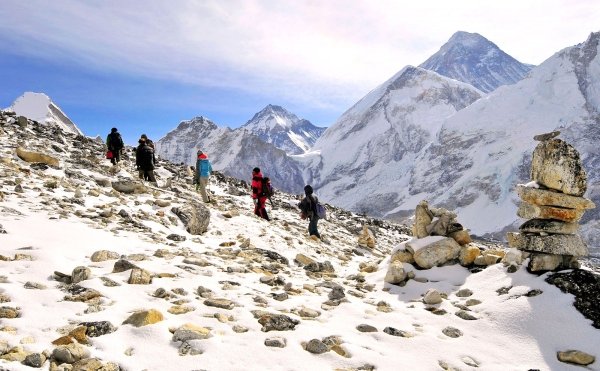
(144, 66)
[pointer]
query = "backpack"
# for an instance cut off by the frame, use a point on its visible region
(267, 189)
(321, 211)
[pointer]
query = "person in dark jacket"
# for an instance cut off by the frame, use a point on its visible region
(308, 207)
(144, 161)
(258, 197)
(115, 144)
(202, 175)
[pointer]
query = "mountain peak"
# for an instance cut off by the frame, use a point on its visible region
(39, 107)
(471, 58)
(467, 38)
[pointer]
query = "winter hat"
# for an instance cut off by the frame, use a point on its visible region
(308, 190)
(144, 136)
(256, 170)
(113, 130)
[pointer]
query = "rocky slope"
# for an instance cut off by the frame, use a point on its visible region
(121, 275)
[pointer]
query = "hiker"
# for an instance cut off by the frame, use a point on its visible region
(148, 141)
(258, 196)
(144, 161)
(114, 142)
(308, 207)
(202, 174)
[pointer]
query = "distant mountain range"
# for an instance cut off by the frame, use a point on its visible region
(441, 131)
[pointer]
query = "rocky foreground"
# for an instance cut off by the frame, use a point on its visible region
(183, 283)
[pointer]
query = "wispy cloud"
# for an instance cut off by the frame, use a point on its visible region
(318, 52)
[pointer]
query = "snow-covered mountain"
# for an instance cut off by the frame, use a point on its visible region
(233, 152)
(481, 152)
(275, 125)
(471, 58)
(418, 137)
(365, 159)
(39, 107)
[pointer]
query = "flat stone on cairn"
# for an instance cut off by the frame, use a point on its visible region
(553, 204)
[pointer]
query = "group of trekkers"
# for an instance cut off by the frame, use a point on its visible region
(262, 191)
(145, 161)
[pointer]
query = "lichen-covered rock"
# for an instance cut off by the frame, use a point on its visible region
(144, 317)
(558, 244)
(529, 211)
(576, 357)
(439, 251)
(547, 197)
(37, 157)
(195, 217)
(556, 164)
(548, 226)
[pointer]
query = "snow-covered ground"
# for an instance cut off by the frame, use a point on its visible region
(55, 219)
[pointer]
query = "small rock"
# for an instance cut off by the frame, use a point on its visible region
(277, 342)
(366, 328)
(316, 346)
(576, 357)
(452, 332)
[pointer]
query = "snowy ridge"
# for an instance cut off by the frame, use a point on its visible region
(39, 107)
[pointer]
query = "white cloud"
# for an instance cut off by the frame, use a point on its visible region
(320, 52)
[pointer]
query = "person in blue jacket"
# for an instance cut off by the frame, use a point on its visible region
(203, 170)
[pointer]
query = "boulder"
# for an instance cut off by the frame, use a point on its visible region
(140, 277)
(544, 262)
(556, 164)
(432, 296)
(80, 273)
(129, 186)
(195, 217)
(366, 238)
(438, 252)
(559, 244)
(403, 256)
(423, 218)
(547, 197)
(468, 254)
(529, 211)
(103, 255)
(37, 157)
(462, 237)
(70, 353)
(395, 273)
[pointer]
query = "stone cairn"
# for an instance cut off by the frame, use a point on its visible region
(554, 204)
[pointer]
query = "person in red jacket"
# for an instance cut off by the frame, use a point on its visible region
(258, 197)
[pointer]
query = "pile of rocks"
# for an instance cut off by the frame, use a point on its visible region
(554, 204)
(438, 239)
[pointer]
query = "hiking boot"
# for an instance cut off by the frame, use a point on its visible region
(315, 238)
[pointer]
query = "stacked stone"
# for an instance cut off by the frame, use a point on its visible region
(554, 209)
